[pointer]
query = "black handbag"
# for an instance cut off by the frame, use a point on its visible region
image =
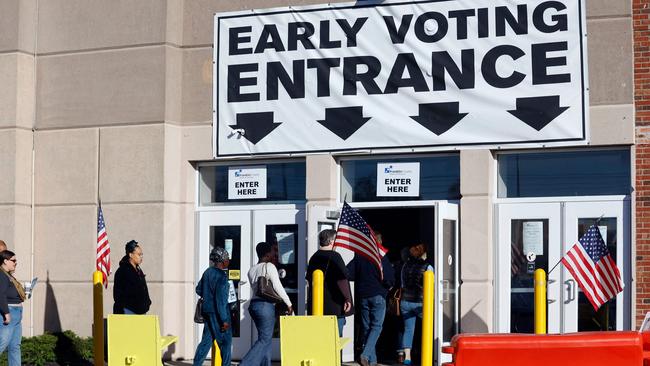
(198, 312)
(265, 288)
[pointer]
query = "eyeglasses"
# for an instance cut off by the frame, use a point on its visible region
(14, 260)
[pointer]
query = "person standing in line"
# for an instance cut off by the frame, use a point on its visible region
(261, 310)
(412, 296)
(213, 287)
(337, 298)
(12, 294)
(371, 287)
(130, 291)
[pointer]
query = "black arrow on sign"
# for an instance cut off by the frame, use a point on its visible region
(439, 117)
(537, 112)
(344, 121)
(256, 125)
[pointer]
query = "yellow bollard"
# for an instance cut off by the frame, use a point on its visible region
(317, 283)
(427, 319)
(216, 354)
(98, 318)
(540, 301)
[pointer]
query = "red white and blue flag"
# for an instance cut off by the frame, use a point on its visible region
(103, 261)
(356, 235)
(591, 264)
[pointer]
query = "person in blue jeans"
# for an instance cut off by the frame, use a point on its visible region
(262, 310)
(412, 276)
(371, 286)
(213, 288)
(12, 295)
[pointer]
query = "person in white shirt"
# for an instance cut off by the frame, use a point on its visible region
(262, 310)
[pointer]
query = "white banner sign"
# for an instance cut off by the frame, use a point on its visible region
(247, 182)
(398, 179)
(426, 74)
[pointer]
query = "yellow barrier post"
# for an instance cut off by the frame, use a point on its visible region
(540, 301)
(216, 354)
(98, 318)
(427, 319)
(317, 283)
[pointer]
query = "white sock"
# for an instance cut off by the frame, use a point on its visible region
(407, 353)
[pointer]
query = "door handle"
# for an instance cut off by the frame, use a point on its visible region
(445, 291)
(571, 290)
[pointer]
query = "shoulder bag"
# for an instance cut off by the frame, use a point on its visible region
(265, 288)
(198, 312)
(394, 297)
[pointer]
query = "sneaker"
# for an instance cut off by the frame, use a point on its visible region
(364, 361)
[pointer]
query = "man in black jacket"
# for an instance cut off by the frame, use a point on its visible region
(371, 289)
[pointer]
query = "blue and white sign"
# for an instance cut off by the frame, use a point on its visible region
(247, 182)
(400, 74)
(398, 179)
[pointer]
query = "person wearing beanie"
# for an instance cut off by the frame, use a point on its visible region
(213, 288)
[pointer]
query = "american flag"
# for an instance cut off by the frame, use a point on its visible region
(103, 262)
(356, 235)
(591, 264)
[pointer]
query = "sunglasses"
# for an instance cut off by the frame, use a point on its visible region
(13, 260)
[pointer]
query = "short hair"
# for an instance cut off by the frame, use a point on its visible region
(326, 237)
(6, 255)
(130, 246)
(262, 249)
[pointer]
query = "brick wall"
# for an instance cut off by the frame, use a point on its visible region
(641, 18)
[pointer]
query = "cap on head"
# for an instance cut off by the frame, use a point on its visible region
(219, 255)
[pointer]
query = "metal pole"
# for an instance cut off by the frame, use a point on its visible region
(427, 319)
(540, 301)
(317, 283)
(98, 318)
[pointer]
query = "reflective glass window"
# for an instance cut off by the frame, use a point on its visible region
(284, 182)
(573, 173)
(439, 178)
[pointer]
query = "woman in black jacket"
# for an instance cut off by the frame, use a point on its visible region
(130, 289)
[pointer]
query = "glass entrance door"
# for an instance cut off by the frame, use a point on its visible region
(536, 235)
(612, 221)
(447, 284)
(239, 231)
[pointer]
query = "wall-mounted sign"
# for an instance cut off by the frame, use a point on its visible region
(398, 179)
(246, 182)
(395, 74)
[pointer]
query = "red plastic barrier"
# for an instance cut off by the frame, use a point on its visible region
(575, 349)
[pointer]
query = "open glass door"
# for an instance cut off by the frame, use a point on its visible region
(287, 228)
(612, 219)
(230, 230)
(446, 282)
